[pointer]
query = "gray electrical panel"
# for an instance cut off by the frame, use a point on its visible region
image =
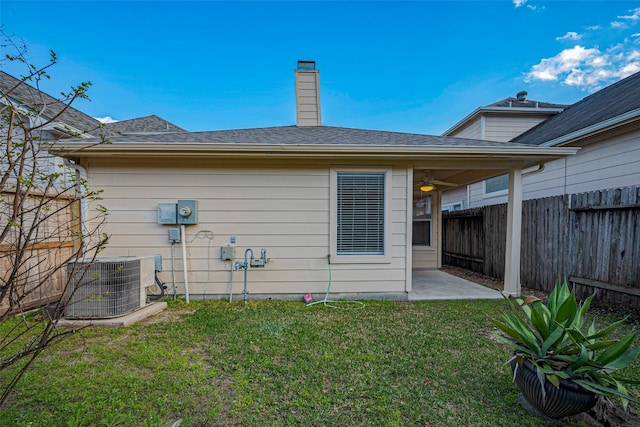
(167, 213)
(227, 253)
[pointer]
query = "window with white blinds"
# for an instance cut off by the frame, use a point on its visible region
(360, 213)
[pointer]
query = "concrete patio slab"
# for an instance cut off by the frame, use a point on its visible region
(438, 285)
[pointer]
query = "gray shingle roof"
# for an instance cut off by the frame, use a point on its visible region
(293, 135)
(608, 103)
(39, 101)
(143, 125)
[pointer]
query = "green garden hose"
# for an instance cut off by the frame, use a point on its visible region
(328, 303)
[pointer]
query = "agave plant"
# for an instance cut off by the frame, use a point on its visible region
(552, 337)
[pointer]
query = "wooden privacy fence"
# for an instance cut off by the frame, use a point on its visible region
(591, 239)
(40, 278)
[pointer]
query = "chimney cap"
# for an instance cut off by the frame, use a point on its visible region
(306, 65)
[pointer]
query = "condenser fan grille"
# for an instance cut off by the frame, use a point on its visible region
(107, 287)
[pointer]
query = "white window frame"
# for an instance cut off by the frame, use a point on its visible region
(385, 257)
(495, 193)
(424, 218)
(452, 207)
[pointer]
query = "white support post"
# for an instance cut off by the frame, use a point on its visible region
(514, 235)
(408, 286)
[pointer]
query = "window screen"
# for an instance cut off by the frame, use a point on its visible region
(360, 213)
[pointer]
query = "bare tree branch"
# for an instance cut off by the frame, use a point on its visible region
(40, 232)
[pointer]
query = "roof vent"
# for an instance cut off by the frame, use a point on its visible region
(522, 95)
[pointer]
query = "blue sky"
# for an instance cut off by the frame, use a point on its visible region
(416, 66)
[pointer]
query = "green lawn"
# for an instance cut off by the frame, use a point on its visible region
(430, 363)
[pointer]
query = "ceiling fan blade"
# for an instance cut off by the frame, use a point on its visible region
(437, 182)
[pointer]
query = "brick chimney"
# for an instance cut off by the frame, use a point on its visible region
(307, 94)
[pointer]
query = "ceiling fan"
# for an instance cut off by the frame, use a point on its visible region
(430, 184)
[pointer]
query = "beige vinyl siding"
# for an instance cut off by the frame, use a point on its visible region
(282, 209)
(472, 130)
(504, 129)
(425, 257)
(308, 98)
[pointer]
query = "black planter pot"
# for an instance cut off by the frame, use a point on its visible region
(567, 400)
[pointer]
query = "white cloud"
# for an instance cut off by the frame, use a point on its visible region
(106, 119)
(520, 3)
(587, 68)
(571, 35)
(630, 68)
(592, 67)
(627, 20)
(550, 69)
(635, 15)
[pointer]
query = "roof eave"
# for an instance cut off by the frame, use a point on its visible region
(603, 126)
(79, 150)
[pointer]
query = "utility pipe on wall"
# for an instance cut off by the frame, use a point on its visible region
(184, 262)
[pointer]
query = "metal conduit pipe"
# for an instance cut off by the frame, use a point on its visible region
(184, 262)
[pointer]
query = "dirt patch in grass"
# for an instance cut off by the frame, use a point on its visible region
(167, 315)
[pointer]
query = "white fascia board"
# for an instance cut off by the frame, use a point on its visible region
(593, 129)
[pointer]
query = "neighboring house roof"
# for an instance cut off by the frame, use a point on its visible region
(143, 125)
(48, 106)
(605, 109)
(520, 105)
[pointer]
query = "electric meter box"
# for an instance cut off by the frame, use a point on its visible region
(187, 211)
(227, 253)
(167, 213)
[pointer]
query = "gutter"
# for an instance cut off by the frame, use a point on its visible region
(74, 150)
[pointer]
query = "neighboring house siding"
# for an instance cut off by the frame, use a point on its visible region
(609, 163)
(496, 128)
(504, 129)
(473, 130)
(455, 196)
(284, 210)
